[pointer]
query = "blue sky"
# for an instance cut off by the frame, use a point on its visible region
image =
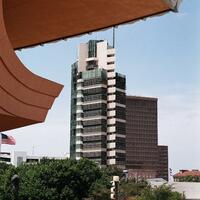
(160, 58)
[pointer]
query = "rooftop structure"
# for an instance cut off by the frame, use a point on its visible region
(187, 175)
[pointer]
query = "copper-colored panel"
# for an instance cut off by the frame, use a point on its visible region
(40, 21)
(25, 98)
(22, 74)
(17, 90)
(12, 122)
(17, 108)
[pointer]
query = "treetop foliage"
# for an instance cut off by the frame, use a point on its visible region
(74, 180)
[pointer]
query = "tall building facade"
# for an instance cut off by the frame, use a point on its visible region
(143, 155)
(163, 162)
(98, 117)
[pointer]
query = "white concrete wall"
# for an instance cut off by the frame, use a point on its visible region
(111, 121)
(111, 129)
(110, 67)
(111, 137)
(112, 82)
(102, 54)
(111, 51)
(111, 105)
(82, 56)
(111, 97)
(111, 74)
(111, 161)
(111, 153)
(111, 59)
(111, 89)
(18, 155)
(111, 113)
(111, 145)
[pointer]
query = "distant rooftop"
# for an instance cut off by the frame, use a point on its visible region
(191, 190)
(142, 98)
(156, 182)
(185, 173)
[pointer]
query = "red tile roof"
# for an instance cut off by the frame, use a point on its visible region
(186, 173)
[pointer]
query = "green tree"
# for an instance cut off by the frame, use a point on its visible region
(131, 188)
(57, 179)
(6, 172)
(52, 180)
(112, 171)
(189, 179)
(100, 191)
(101, 188)
(161, 193)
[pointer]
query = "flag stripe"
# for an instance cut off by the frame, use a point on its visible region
(5, 139)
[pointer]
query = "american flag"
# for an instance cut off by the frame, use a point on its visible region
(5, 139)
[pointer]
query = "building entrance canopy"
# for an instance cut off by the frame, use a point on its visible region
(25, 98)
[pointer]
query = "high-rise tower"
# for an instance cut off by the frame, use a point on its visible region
(98, 118)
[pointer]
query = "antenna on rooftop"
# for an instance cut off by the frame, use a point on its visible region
(97, 36)
(113, 36)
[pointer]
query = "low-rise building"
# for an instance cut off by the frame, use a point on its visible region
(190, 190)
(18, 157)
(187, 176)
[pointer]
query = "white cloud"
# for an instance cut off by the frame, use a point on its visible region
(182, 14)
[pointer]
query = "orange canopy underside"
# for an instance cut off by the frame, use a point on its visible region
(38, 21)
(25, 98)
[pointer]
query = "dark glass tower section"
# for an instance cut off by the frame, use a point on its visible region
(143, 155)
(94, 120)
(120, 118)
(73, 111)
